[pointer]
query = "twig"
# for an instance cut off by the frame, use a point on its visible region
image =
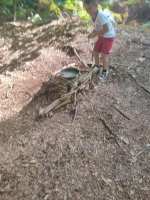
(75, 116)
(65, 80)
(120, 64)
(107, 126)
(112, 133)
(142, 74)
(11, 87)
(121, 112)
(75, 98)
(106, 182)
(146, 90)
(140, 153)
(62, 104)
(79, 57)
(79, 88)
(72, 125)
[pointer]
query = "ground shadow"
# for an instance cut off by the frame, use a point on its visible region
(28, 41)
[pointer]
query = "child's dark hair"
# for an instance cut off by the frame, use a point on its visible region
(90, 1)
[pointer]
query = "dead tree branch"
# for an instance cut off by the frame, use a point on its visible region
(80, 58)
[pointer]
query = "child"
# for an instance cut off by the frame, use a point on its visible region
(104, 30)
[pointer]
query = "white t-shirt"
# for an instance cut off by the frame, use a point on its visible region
(98, 23)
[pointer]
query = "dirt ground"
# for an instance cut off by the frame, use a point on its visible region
(103, 154)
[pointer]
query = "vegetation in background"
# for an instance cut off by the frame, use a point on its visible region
(145, 26)
(130, 2)
(37, 10)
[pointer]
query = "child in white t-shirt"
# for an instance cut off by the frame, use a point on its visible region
(104, 30)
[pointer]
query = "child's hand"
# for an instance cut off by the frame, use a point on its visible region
(92, 35)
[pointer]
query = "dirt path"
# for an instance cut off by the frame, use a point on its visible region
(55, 159)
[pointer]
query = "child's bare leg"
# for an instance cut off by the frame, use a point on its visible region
(105, 61)
(96, 58)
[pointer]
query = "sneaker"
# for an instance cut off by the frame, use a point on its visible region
(103, 75)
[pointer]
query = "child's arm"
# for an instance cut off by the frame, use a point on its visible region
(104, 30)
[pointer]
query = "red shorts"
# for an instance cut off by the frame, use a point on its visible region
(103, 45)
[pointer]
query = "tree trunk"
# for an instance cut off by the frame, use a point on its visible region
(15, 4)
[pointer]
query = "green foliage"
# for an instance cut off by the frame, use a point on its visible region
(51, 7)
(138, 1)
(45, 14)
(133, 1)
(34, 18)
(117, 17)
(29, 10)
(107, 4)
(145, 26)
(125, 14)
(6, 2)
(132, 28)
(21, 13)
(5, 11)
(54, 8)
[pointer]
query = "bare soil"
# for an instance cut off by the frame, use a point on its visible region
(102, 155)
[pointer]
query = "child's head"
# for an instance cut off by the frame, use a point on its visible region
(91, 7)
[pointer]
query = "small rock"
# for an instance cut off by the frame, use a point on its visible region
(134, 76)
(140, 181)
(28, 112)
(0, 177)
(52, 125)
(132, 152)
(124, 140)
(33, 161)
(87, 86)
(141, 59)
(109, 180)
(131, 192)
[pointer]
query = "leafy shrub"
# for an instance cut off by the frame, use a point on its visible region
(133, 1)
(145, 26)
(34, 18)
(21, 13)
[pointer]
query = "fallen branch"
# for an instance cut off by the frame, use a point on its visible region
(44, 111)
(63, 104)
(80, 58)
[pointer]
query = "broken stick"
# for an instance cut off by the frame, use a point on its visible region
(121, 112)
(79, 57)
